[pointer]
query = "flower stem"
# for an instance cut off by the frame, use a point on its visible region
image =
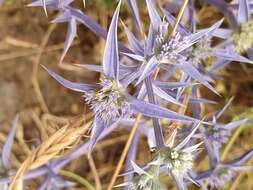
(179, 16)
(124, 153)
(157, 128)
(77, 178)
(138, 118)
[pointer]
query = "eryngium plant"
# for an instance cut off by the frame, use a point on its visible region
(164, 63)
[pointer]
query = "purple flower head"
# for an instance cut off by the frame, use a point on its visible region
(159, 50)
(220, 177)
(177, 161)
(243, 36)
(109, 102)
(217, 133)
(239, 38)
(222, 172)
(201, 50)
(167, 49)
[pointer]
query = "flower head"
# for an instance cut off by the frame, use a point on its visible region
(109, 102)
(147, 179)
(220, 177)
(166, 49)
(179, 159)
(243, 38)
(201, 50)
(218, 135)
(178, 162)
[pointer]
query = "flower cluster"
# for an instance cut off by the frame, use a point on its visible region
(178, 162)
(167, 49)
(243, 38)
(147, 179)
(221, 177)
(201, 50)
(162, 68)
(109, 102)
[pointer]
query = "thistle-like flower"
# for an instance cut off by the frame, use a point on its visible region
(179, 159)
(109, 102)
(220, 177)
(166, 49)
(238, 39)
(243, 37)
(218, 134)
(147, 179)
(160, 49)
(222, 172)
(201, 50)
(178, 162)
(109, 99)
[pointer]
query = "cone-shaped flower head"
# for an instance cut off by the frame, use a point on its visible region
(179, 162)
(243, 38)
(147, 179)
(221, 177)
(179, 159)
(167, 48)
(218, 135)
(109, 102)
(201, 50)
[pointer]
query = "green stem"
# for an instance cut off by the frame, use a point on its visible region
(232, 141)
(77, 178)
(247, 114)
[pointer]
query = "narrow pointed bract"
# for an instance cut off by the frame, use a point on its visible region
(243, 12)
(135, 12)
(71, 34)
(111, 55)
(153, 14)
(156, 111)
(97, 128)
(79, 87)
(134, 43)
(149, 68)
(8, 144)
